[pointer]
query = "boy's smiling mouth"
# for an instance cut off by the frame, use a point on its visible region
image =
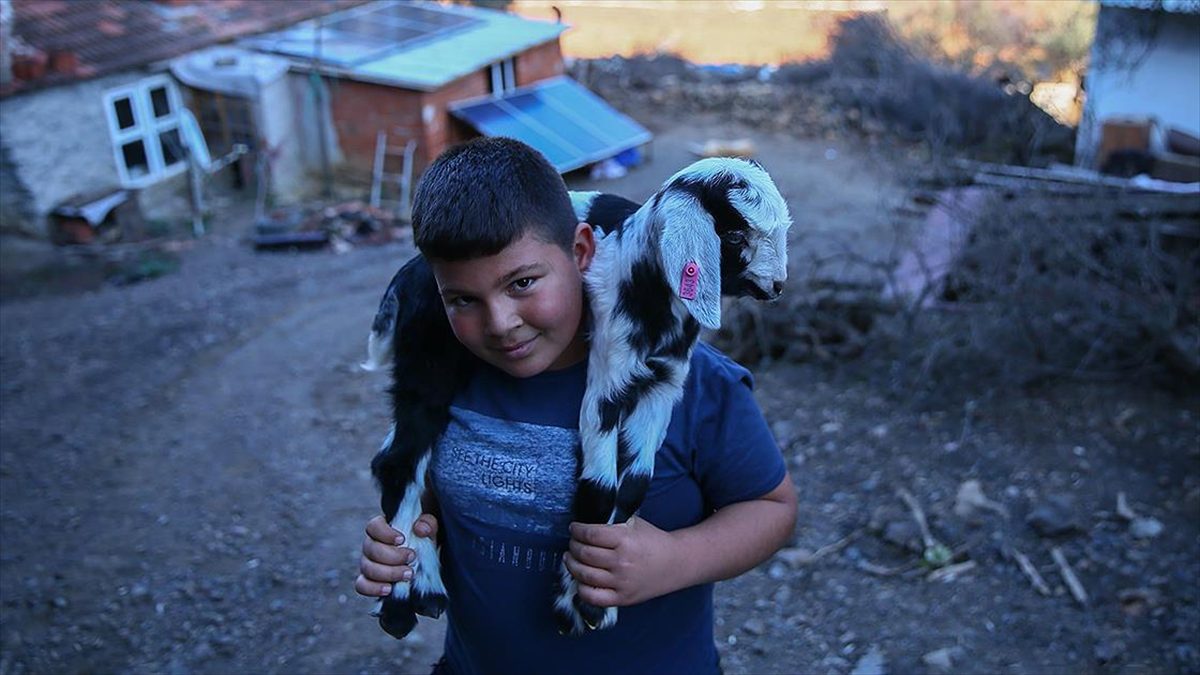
(516, 350)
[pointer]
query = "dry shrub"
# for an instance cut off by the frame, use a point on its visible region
(1050, 287)
(1102, 287)
(817, 319)
(873, 83)
(874, 73)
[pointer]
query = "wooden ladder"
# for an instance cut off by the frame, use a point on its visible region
(382, 178)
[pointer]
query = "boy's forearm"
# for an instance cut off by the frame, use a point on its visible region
(735, 538)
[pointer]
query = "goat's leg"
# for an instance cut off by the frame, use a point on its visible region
(595, 496)
(642, 433)
(401, 501)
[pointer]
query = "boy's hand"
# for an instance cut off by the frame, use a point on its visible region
(619, 565)
(385, 559)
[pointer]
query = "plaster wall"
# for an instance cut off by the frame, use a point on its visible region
(312, 106)
(1144, 64)
(58, 144)
(282, 129)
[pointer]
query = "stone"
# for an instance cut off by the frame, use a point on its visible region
(795, 557)
(903, 533)
(942, 660)
(970, 500)
(754, 627)
(871, 663)
(785, 433)
(777, 571)
(1054, 518)
(1107, 651)
(1145, 528)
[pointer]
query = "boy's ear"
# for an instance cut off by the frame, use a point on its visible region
(584, 247)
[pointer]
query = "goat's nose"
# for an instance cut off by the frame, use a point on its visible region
(777, 287)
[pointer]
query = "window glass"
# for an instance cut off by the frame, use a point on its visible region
(134, 154)
(158, 98)
(172, 147)
(125, 118)
(144, 126)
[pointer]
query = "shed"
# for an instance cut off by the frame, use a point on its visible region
(434, 75)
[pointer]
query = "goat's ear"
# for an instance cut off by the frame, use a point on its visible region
(691, 256)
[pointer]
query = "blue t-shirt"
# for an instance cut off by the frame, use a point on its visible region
(504, 475)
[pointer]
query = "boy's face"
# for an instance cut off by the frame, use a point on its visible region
(520, 309)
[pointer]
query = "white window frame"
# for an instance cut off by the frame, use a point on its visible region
(504, 77)
(146, 128)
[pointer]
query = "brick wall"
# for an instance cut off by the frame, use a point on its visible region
(443, 130)
(360, 110)
(539, 63)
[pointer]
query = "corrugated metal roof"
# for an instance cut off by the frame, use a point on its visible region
(471, 39)
(1173, 6)
(106, 36)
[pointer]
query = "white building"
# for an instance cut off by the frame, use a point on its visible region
(1145, 64)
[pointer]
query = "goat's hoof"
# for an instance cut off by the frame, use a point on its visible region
(396, 617)
(581, 617)
(593, 616)
(564, 621)
(428, 604)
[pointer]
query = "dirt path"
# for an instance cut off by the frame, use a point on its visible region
(184, 470)
(183, 481)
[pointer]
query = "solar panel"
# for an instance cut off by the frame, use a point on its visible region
(371, 28)
(533, 105)
(369, 32)
(495, 121)
(431, 17)
(612, 127)
(568, 124)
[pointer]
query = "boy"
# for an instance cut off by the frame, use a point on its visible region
(495, 222)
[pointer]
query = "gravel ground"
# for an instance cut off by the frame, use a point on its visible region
(183, 471)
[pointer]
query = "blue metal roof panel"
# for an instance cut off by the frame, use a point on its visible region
(568, 124)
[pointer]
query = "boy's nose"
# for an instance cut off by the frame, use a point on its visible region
(503, 321)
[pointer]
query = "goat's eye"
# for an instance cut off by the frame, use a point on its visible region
(735, 238)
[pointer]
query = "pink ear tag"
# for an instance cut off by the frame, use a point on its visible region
(689, 281)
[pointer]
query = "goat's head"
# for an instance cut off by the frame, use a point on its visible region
(722, 231)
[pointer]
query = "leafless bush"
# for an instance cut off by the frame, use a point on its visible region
(1051, 287)
(825, 316)
(1102, 287)
(874, 73)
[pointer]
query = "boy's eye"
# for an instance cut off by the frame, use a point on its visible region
(459, 302)
(523, 283)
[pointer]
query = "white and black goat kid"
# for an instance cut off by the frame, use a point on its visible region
(718, 227)
(429, 365)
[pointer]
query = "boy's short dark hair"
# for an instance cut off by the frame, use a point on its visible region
(479, 197)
